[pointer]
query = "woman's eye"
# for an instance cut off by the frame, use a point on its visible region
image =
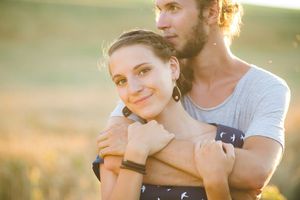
(144, 71)
(121, 82)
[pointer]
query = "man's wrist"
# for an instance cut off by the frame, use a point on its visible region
(136, 152)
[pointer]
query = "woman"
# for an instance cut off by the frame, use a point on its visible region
(142, 65)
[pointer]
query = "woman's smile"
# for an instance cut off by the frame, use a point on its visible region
(142, 100)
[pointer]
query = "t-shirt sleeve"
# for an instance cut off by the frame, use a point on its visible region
(270, 111)
(117, 112)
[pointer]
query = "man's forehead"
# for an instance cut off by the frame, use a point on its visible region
(165, 2)
(162, 3)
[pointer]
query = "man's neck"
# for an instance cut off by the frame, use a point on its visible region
(216, 73)
(213, 62)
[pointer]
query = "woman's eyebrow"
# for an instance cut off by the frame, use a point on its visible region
(140, 65)
(135, 68)
(115, 76)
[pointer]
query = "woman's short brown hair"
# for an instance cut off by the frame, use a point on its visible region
(160, 46)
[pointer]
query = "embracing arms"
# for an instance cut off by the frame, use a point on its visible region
(151, 139)
(253, 167)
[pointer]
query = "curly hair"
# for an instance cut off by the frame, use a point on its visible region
(230, 15)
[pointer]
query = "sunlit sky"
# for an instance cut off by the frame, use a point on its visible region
(276, 3)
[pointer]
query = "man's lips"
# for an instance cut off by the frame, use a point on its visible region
(142, 100)
(170, 37)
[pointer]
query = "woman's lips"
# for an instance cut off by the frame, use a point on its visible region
(142, 100)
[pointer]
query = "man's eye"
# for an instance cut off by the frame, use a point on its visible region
(173, 8)
(144, 71)
(121, 82)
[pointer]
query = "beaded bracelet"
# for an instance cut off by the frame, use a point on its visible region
(127, 164)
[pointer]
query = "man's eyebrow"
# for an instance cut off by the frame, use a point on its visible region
(135, 68)
(172, 3)
(167, 5)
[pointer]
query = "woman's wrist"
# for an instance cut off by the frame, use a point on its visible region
(217, 188)
(136, 152)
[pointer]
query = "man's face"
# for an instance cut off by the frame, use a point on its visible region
(181, 25)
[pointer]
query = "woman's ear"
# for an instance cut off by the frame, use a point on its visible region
(175, 67)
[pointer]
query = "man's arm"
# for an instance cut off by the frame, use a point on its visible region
(263, 154)
(254, 164)
(116, 131)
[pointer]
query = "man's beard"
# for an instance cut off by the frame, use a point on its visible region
(194, 43)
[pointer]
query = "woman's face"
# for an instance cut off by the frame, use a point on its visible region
(144, 81)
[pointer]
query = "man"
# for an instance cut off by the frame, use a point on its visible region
(225, 90)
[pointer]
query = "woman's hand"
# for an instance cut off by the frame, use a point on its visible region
(151, 136)
(214, 160)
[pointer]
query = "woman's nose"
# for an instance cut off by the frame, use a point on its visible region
(134, 86)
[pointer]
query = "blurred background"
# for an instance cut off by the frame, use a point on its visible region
(54, 97)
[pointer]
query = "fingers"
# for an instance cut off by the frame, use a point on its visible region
(135, 124)
(197, 147)
(209, 145)
(102, 137)
(108, 150)
(206, 144)
(229, 149)
(104, 152)
(113, 130)
(152, 122)
(102, 145)
(104, 134)
(171, 136)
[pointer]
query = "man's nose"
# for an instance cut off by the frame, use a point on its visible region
(162, 21)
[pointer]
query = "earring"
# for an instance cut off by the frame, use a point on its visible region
(126, 112)
(176, 93)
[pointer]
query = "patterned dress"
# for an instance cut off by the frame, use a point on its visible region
(158, 192)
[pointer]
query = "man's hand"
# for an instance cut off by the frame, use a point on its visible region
(113, 140)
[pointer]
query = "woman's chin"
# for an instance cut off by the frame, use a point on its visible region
(148, 115)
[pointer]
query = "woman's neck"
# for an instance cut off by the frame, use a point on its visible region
(176, 120)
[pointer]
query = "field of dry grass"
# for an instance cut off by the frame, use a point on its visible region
(48, 142)
(54, 99)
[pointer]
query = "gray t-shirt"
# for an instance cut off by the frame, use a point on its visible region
(257, 106)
